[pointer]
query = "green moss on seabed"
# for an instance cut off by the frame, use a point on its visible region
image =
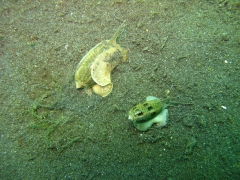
(50, 128)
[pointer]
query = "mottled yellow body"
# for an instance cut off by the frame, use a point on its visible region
(101, 53)
(83, 74)
(101, 68)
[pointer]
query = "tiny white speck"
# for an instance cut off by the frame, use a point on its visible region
(66, 46)
(224, 107)
(226, 61)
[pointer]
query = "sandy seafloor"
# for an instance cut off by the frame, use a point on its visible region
(186, 50)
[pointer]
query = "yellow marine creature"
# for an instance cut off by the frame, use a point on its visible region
(152, 111)
(94, 69)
